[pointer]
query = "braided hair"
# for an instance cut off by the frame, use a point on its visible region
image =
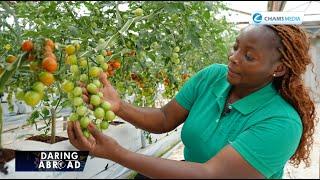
(294, 50)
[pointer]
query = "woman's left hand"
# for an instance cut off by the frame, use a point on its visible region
(98, 144)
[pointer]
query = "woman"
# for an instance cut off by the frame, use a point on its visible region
(244, 120)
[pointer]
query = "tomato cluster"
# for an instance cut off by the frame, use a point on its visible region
(85, 74)
(43, 62)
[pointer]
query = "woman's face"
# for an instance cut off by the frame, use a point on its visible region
(253, 58)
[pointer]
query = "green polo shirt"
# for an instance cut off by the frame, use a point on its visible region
(262, 127)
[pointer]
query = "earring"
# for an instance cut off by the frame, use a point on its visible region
(274, 75)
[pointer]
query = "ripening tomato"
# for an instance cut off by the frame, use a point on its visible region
(67, 86)
(71, 59)
(11, 59)
(38, 87)
(27, 46)
(94, 71)
(70, 49)
(46, 78)
(116, 64)
(50, 64)
(32, 98)
(50, 43)
(108, 53)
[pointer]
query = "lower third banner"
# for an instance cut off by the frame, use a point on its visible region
(51, 160)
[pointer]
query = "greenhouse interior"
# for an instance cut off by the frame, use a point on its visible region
(120, 83)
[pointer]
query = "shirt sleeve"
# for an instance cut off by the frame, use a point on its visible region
(268, 145)
(189, 91)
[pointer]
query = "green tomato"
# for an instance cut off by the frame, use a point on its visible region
(97, 83)
(77, 91)
(100, 94)
(20, 94)
(70, 49)
(175, 55)
(84, 122)
(138, 12)
(73, 117)
(106, 105)
(95, 100)
(94, 71)
(92, 88)
(99, 113)
(101, 41)
(72, 59)
(104, 66)
(83, 78)
(32, 98)
(41, 9)
(38, 87)
(83, 62)
(81, 110)
(86, 133)
(100, 59)
(70, 96)
(104, 125)
(109, 116)
(67, 86)
(77, 101)
(74, 69)
(175, 17)
(176, 49)
(94, 25)
(176, 60)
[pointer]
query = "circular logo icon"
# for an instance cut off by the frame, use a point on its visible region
(257, 18)
(61, 164)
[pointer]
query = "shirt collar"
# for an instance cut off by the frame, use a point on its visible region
(248, 103)
(255, 100)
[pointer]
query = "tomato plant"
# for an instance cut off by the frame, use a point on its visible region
(140, 47)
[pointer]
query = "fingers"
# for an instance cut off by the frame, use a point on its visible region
(80, 137)
(81, 84)
(71, 135)
(92, 140)
(84, 91)
(85, 98)
(103, 79)
(94, 131)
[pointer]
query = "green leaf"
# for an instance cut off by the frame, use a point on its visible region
(174, 7)
(32, 119)
(45, 112)
(193, 36)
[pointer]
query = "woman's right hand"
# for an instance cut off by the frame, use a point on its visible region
(109, 93)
